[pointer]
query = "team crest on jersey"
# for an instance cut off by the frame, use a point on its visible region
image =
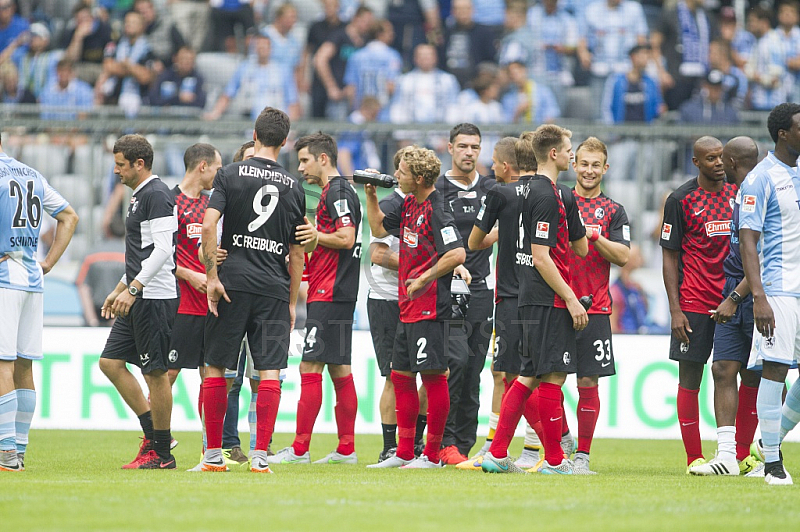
(134, 205)
(731, 202)
(194, 230)
(749, 203)
(410, 238)
(599, 213)
(595, 227)
(448, 235)
(666, 231)
(542, 229)
(420, 219)
(718, 228)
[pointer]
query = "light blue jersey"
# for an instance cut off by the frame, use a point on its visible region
(24, 196)
(770, 204)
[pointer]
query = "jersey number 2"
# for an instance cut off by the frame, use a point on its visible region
(32, 207)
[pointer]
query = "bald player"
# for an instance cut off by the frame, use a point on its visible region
(695, 238)
(733, 336)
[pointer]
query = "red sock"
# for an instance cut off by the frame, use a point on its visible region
(438, 408)
(689, 418)
(510, 412)
(746, 420)
(532, 414)
(551, 414)
(215, 403)
(307, 410)
(200, 403)
(564, 426)
(269, 399)
(588, 412)
(346, 410)
(407, 407)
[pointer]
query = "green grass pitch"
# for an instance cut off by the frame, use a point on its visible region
(74, 482)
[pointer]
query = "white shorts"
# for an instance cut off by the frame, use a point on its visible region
(784, 345)
(249, 371)
(22, 317)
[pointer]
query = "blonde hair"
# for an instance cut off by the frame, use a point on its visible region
(422, 162)
(595, 145)
(545, 138)
(523, 149)
(505, 149)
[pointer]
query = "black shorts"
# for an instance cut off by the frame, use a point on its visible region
(186, 347)
(142, 338)
(420, 346)
(329, 332)
(733, 339)
(264, 319)
(507, 336)
(383, 319)
(548, 341)
(701, 339)
(595, 351)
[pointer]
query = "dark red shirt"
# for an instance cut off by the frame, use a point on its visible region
(333, 273)
(698, 224)
(190, 229)
(590, 274)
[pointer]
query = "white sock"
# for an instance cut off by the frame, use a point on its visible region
(726, 443)
(531, 438)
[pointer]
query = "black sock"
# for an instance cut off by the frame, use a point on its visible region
(161, 441)
(389, 436)
(146, 421)
(422, 421)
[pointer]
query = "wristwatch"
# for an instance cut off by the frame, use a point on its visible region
(735, 297)
(132, 290)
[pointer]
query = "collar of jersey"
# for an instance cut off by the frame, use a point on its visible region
(143, 183)
(459, 185)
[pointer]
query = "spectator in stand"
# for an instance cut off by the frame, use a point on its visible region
(127, 68)
(527, 101)
(740, 40)
(191, 17)
(261, 83)
(66, 91)
(287, 50)
(465, 44)
(788, 17)
(634, 96)
(610, 29)
(373, 70)
(734, 84)
(229, 18)
(357, 150)
(84, 42)
(330, 63)
(424, 94)
(518, 43)
(680, 48)
(180, 85)
(766, 70)
(629, 314)
(491, 14)
(9, 83)
(709, 106)
(36, 65)
(483, 109)
(557, 33)
(318, 33)
(162, 34)
(11, 24)
(415, 22)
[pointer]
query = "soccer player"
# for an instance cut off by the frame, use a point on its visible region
(191, 199)
(769, 241)
(145, 302)
(694, 239)
(383, 311)
(607, 230)
(332, 292)
(430, 249)
(255, 290)
(549, 310)
(24, 194)
(733, 337)
(501, 208)
(464, 189)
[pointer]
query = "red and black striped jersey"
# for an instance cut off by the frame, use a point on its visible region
(333, 273)
(190, 229)
(698, 224)
(590, 274)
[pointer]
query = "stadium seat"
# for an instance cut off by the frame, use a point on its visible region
(76, 189)
(48, 159)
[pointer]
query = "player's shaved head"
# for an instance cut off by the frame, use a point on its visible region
(742, 149)
(705, 144)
